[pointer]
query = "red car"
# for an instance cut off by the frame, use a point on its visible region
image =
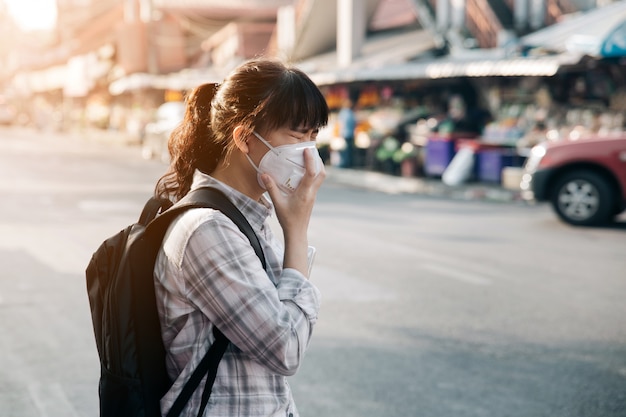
(584, 179)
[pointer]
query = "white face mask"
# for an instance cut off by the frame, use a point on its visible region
(285, 164)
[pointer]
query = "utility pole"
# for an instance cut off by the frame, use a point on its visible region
(350, 30)
(145, 15)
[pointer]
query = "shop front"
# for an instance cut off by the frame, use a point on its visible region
(395, 120)
(493, 106)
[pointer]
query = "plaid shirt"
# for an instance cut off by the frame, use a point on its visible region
(206, 275)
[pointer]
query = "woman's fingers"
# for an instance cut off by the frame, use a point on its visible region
(270, 186)
(314, 169)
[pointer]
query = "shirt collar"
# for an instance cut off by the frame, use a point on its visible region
(256, 212)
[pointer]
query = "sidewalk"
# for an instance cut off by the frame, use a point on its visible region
(378, 181)
(357, 178)
(426, 186)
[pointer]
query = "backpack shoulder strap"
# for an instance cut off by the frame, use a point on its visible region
(218, 200)
(153, 207)
(206, 197)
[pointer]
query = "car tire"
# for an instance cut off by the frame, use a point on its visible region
(583, 198)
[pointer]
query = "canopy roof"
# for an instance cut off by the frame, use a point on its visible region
(471, 63)
(599, 32)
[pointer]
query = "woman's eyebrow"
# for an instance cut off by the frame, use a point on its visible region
(302, 129)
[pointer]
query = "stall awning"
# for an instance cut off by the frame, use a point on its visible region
(599, 32)
(492, 65)
(183, 80)
(49, 79)
(75, 78)
(474, 63)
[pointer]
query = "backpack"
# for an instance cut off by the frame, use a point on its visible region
(120, 287)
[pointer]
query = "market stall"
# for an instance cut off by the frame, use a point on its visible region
(493, 105)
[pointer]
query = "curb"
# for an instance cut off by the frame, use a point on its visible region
(391, 184)
(356, 178)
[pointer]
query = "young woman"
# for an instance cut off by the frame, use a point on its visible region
(249, 135)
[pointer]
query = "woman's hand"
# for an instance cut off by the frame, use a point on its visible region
(294, 211)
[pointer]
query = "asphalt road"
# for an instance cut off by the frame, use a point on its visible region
(431, 307)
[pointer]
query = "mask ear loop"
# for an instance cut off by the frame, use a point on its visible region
(256, 168)
(266, 143)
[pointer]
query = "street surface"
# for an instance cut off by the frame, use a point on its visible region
(431, 307)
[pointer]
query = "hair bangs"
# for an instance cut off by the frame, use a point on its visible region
(296, 102)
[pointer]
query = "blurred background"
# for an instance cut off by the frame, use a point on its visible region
(439, 300)
(420, 73)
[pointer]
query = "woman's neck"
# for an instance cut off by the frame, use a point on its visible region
(239, 175)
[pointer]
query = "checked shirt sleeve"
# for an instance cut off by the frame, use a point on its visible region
(271, 323)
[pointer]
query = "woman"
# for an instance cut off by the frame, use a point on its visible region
(234, 138)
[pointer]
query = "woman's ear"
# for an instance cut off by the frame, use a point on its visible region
(241, 139)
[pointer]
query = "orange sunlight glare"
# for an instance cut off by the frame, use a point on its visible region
(32, 15)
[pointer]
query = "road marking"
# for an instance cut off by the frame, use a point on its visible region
(27, 186)
(437, 263)
(43, 245)
(51, 401)
(457, 274)
(464, 270)
(337, 285)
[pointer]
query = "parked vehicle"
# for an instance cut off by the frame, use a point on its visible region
(157, 132)
(584, 179)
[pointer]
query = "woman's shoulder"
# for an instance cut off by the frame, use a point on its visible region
(199, 220)
(208, 225)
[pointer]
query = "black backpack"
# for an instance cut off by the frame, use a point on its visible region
(120, 286)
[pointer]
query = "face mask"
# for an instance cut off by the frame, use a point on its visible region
(285, 164)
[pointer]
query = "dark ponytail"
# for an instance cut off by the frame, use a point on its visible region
(191, 145)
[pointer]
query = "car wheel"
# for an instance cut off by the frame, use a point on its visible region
(583, 198)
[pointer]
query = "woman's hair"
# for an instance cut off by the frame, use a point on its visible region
(260, 95)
